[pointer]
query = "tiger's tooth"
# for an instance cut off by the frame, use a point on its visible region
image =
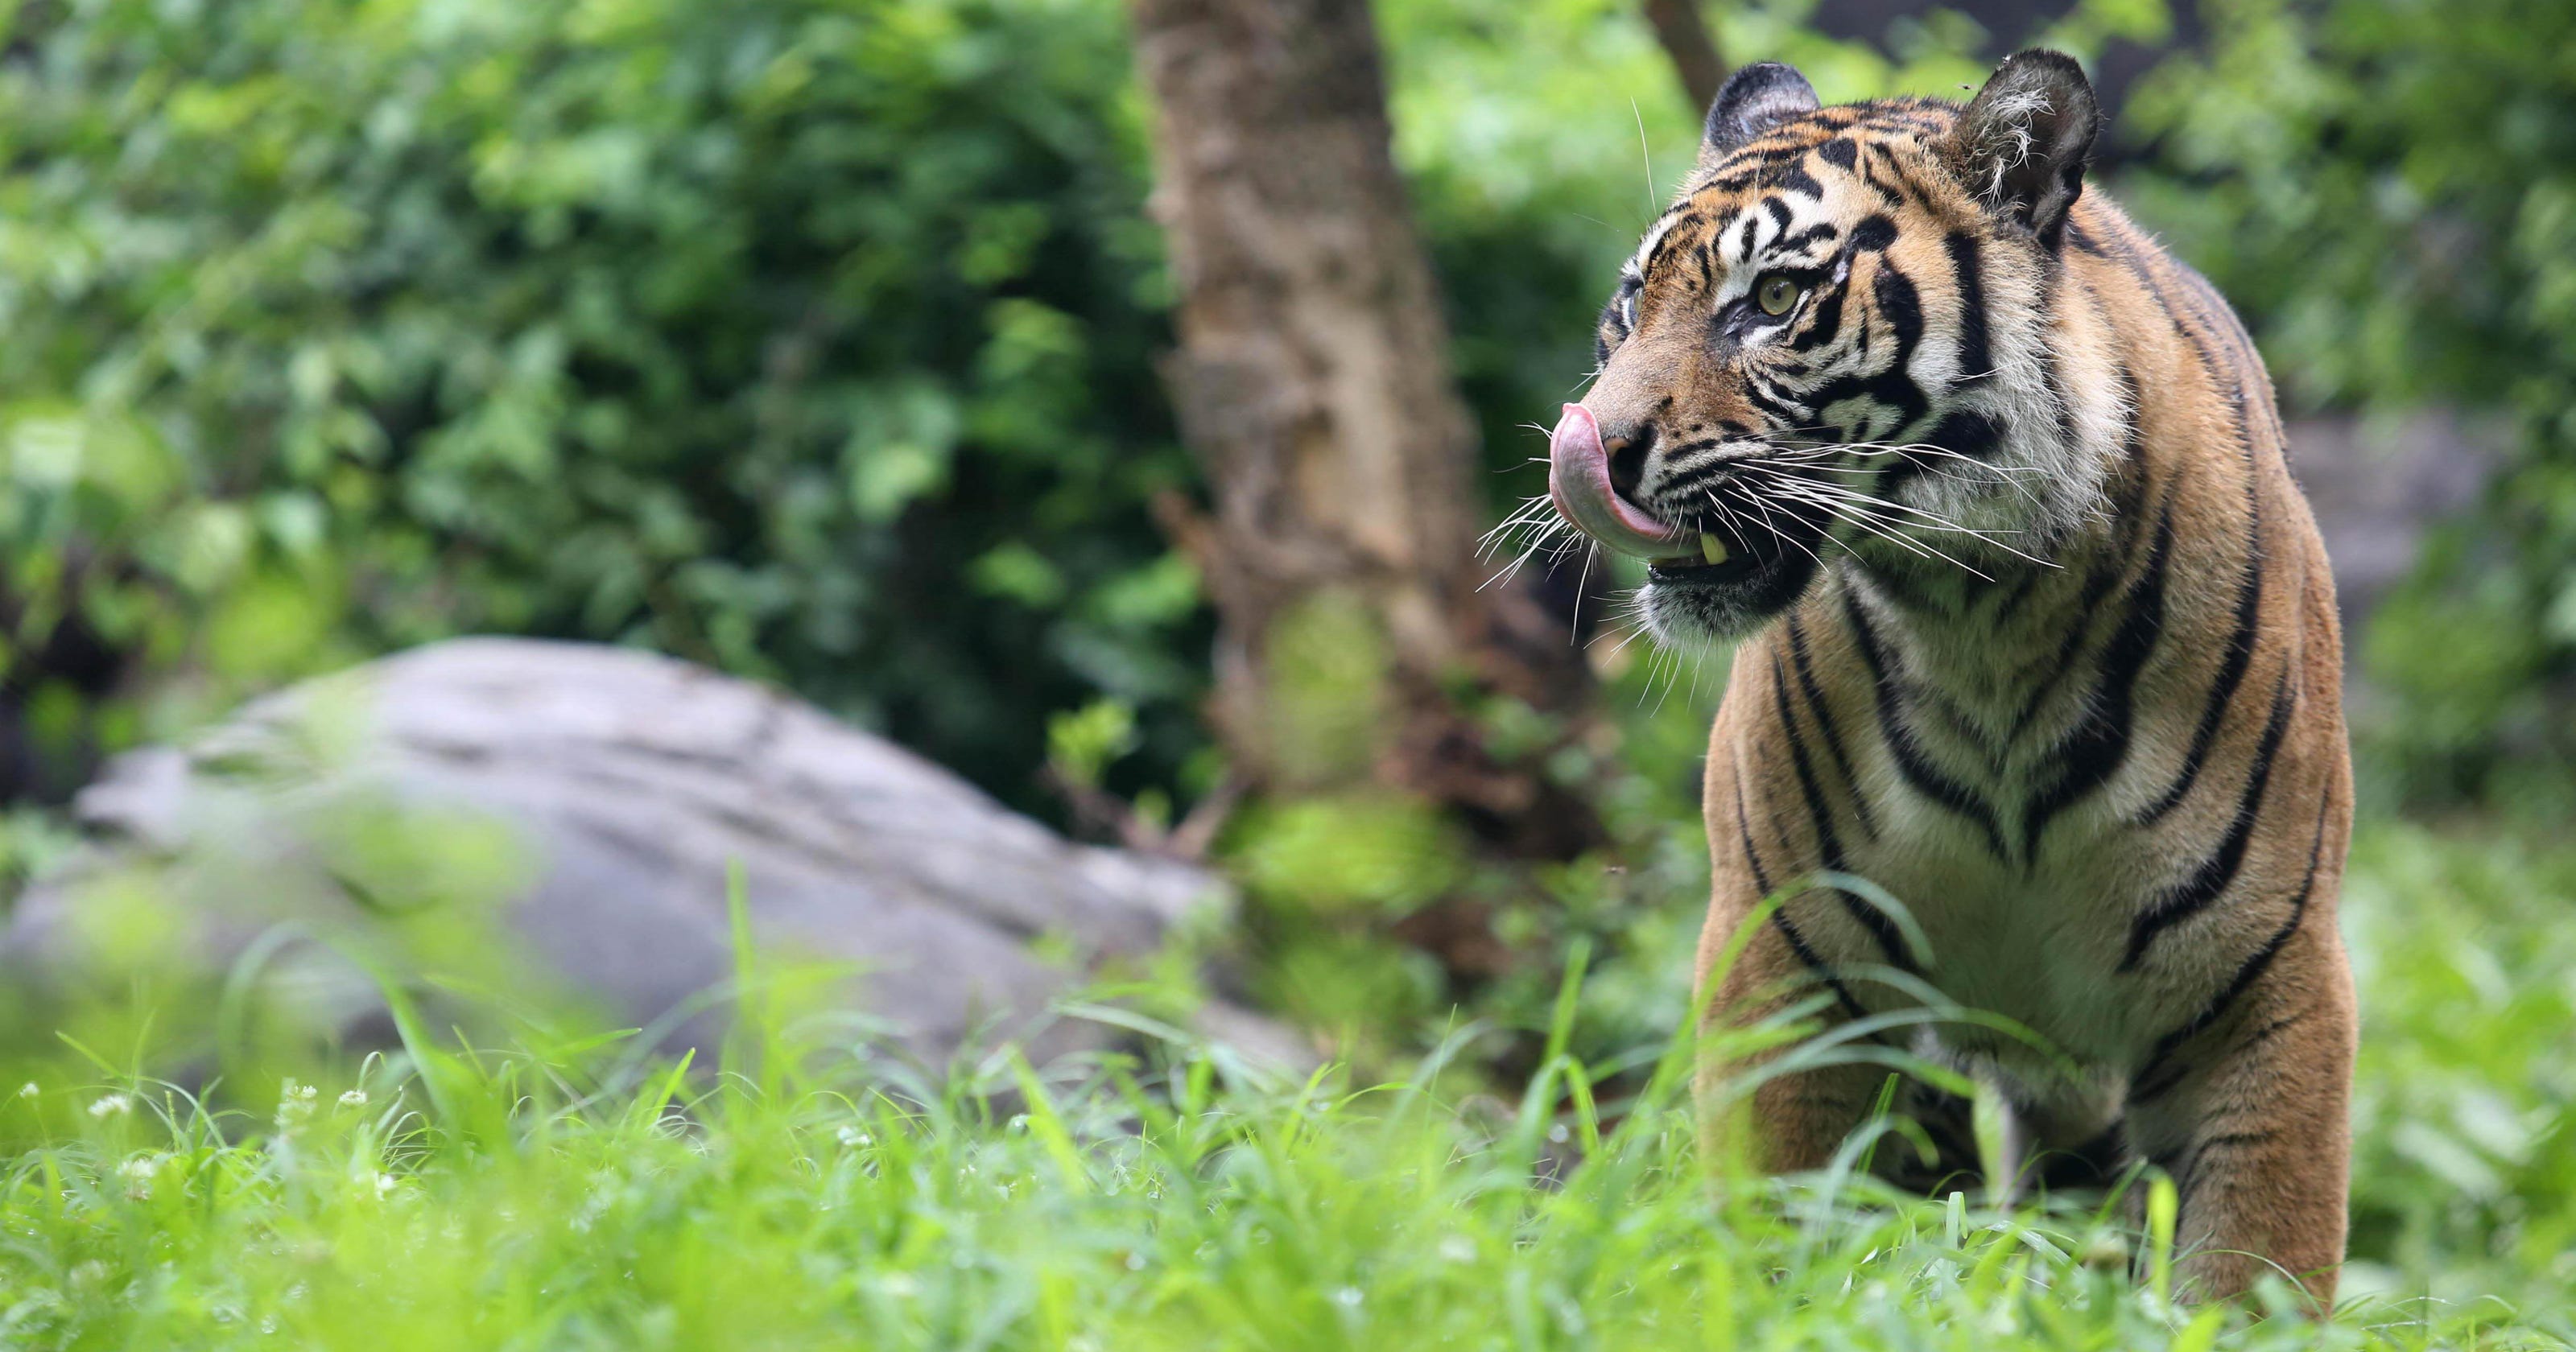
(1712, 549)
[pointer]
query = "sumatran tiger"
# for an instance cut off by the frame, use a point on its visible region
(2034, 632)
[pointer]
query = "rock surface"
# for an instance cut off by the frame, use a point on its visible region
(592, 801)
(2378, 487)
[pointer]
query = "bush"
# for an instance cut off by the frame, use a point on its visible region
(2388, 190)
(809, 342)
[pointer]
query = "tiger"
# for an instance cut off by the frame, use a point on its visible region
(2032, 633)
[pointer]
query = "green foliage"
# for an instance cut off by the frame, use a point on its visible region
(1358, 852)
(2466, 1158)
(553, 1192)
(1082, 744)
(1328, 691)
(2388, 189)
(808, 340)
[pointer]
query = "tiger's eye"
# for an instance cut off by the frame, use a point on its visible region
(1775, 294)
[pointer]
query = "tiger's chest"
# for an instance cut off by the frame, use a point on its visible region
(2038, 941)
(1997, 837)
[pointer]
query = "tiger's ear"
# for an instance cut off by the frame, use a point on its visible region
(1756, 99)
(2021, 144)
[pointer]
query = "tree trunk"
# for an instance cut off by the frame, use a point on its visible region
(1679, 25)
(1312, 380)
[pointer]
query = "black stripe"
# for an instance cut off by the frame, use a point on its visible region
(1829, 846)
(2142, 1091)
(1824, 231)
(2231, 673)
(1902, 306)
(2053, 387)
(1976, 361)
(2140, 266)
(2190, 1175)
(2090, 754)
(1887, 193)
(2213, 314)
(1672, 239)
(1744, 831)
(1972, 434)
(1969, 433)
(2247, 973)
(1907, 169)
(1910, 593)
(1825, 724)
(1795, 179)
(1894, 385)
(1896, 193)
(2098, 582)
(2215, 873)
(2095, 1162)
(1918, 769)
(2267, 1032)
(1780, 914)
(1826, 325)
(2010, 602)
(1790, 414)
(2233, 1139)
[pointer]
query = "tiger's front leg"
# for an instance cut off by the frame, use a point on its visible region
(1789, 1122)
(2249, 1119)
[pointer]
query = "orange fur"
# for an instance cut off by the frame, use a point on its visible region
(2111, 784)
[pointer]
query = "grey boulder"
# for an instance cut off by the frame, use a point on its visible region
(562, 822)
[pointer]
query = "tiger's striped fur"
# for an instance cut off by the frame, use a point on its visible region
(2036, 633)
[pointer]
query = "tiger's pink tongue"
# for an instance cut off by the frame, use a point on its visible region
(1578, 478)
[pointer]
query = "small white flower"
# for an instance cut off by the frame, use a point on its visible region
(355, 1098)
(29, 1090)
(139, 1173)
(386, 1183)
(1348, 1297)
(853, 1137)
(294, 1103)
(109, 1105)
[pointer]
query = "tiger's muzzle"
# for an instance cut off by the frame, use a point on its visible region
(1706, 574)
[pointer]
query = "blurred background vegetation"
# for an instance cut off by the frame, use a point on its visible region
(817, 340)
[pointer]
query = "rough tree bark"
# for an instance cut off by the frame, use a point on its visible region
(1679, 25)
(1312, 380)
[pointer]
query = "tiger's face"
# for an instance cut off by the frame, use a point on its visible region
(1834, 347)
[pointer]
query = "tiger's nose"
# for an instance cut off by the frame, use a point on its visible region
(1628, 448)
(1578, 480)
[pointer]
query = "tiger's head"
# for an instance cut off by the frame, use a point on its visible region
(1841, 343)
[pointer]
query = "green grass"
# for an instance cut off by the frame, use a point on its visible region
(535, 1199)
